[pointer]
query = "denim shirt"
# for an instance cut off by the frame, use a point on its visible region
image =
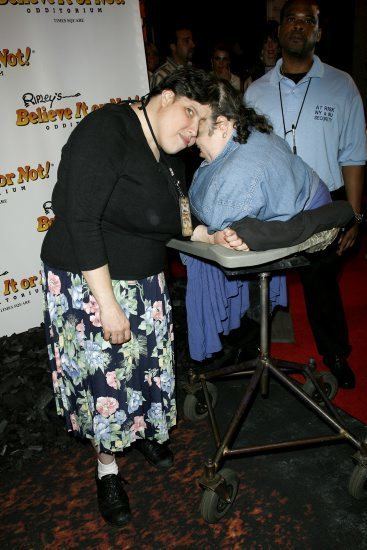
(262, 179)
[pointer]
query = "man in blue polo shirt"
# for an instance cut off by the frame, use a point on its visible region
(318, 110)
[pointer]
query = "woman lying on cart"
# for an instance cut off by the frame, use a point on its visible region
(248, 172)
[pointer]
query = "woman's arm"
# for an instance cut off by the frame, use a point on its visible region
(115, 325)
(228, 238)
(265, 235)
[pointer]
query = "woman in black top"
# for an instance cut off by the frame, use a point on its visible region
(108, 314)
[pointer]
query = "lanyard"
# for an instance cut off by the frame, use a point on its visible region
(174, 178)
(183, 201)
(294, 126)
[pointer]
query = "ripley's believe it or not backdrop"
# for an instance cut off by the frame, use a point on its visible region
(59, 60)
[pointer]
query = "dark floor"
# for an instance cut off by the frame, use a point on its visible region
(296, 499)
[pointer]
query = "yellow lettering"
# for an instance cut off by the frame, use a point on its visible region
(22, 117)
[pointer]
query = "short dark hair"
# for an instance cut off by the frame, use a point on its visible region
(228, 102)
(172, 33)
(288, 3)
(187, 82)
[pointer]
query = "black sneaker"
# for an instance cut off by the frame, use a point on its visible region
(159, 455)
(113, 501)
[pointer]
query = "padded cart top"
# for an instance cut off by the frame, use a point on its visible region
(232, 259)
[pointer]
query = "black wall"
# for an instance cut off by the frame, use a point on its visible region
(232, 20)
(242, 21)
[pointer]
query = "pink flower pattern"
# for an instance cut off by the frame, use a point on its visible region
(106, 406)
(112, 380)
(157, 311)
(92, 308)
(98, 405)
(54, 283)
(139, 424)
(96, 320)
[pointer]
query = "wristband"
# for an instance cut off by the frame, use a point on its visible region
(358, 218)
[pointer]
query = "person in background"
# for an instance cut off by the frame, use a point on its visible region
(268, 55)
(107, 310)
(182, 46)
(318, 110)
(152, 58)
(221, 65)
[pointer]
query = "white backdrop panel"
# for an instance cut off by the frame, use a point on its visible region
(58, 60)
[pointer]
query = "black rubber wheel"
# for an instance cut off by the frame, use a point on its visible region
(330, 386)
(212, 507)
(358, 482)
(194, 406)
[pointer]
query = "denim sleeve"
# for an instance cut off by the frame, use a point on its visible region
(239, 195)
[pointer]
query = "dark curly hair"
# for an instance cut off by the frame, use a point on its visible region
(228, 102)
(188, 82)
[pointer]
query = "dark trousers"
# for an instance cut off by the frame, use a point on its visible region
(323, 301)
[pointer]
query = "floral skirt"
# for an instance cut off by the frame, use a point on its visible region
(111, 394)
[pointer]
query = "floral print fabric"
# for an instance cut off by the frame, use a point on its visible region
(112, 394)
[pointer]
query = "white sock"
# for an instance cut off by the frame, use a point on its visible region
(106, 469)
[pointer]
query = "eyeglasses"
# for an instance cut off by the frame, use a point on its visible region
(219, 58)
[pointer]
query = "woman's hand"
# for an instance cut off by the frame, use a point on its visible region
(229, 238)
(115, 324)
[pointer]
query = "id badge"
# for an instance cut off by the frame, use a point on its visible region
(185, 214)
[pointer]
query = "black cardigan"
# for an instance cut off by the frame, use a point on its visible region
(113, 202)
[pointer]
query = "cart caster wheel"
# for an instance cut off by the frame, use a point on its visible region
(358, 482)
(194, 406)
(212, 507)
(330, 386)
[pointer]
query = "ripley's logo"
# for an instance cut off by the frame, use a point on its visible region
(26, 174)
(41, 115)
(10, 59)
(63, 2)
(12, 286)
(44, 222)
(35, 99)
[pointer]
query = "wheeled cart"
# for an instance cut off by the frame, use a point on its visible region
(220, 484)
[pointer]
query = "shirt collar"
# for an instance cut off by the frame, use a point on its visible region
(176, 65)
(317, 70)
(231, 145)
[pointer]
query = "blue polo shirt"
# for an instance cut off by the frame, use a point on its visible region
(331, 129)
